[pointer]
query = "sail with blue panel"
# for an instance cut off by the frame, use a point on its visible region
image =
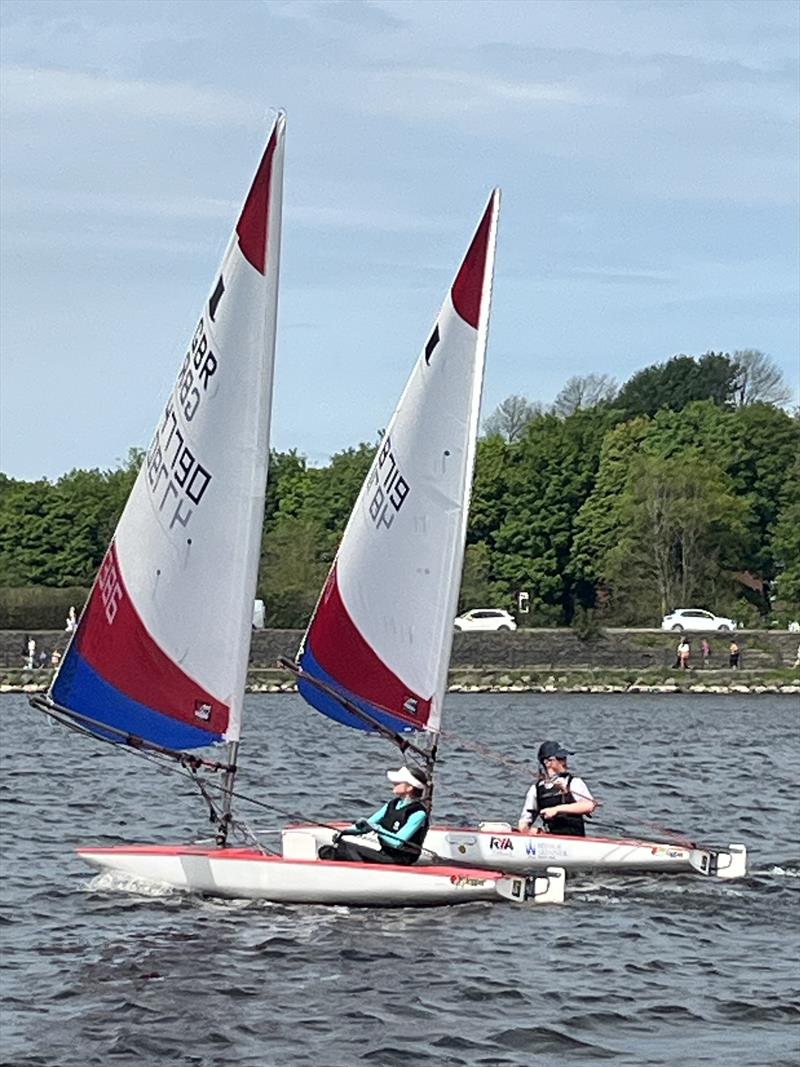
(161, 650)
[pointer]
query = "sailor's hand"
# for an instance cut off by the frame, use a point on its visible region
(534, 830)
(362, 825)
(336, 838)
(548, 813)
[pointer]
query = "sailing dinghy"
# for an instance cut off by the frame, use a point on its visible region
(159, 659)
(376, 652)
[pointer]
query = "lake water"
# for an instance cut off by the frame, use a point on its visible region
(672, 970)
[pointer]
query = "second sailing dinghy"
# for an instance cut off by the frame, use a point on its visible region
(376, 653)
(159, 659)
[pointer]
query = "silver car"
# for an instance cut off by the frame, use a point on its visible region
(696, 619)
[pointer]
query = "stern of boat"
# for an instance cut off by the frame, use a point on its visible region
(720, 863)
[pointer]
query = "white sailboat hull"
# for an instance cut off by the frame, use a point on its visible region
(243, 873)
(497, 846)
(501, 848)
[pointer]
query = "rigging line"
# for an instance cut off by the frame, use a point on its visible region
(187, 767)
(497, 757)
(77, 720)
(179, 763)
(385, 731)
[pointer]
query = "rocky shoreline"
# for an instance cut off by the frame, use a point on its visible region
(696, 682)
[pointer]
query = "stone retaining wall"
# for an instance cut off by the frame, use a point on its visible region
(535, 649)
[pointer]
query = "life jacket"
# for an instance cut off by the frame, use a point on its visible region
(394, 818)
(549, 795)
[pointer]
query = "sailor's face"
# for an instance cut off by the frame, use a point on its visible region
(401, 789)
(554, 766)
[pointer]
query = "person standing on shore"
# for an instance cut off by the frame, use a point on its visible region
(684, 651)
(733, 656)
(558, 798)
(705, 651)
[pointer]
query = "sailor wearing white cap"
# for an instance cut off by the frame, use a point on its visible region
(401, 825)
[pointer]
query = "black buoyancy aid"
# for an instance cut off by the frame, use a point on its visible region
(549, 795)
(394, 818)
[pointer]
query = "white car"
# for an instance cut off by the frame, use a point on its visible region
(485, 619)
(696, 619)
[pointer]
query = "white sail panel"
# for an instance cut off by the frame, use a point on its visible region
(164, 641)
(382, 632)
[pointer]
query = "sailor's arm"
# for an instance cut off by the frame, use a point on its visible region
(366, 826)
(583, 804)
(528, 814)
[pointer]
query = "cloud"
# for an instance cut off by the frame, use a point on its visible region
(40, 90)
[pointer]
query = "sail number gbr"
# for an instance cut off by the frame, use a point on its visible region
(175, 475)
(387, 489)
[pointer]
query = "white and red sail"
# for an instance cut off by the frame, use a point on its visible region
(382, 631)
(162, 646)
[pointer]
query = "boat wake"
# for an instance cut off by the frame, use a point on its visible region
(118, 882)
(778, 872)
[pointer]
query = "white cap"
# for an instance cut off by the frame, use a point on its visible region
(405, 774)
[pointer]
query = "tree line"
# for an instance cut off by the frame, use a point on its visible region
(681, 488)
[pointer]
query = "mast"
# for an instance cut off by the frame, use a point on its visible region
(160, 655)
(376, 651)
(453, 579)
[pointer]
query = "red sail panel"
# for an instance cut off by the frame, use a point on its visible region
(113, 641)
(340, 650)
(253, 224)
(468, 286)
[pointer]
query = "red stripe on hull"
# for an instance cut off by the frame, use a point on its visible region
(252, 855)
(253, 224)
(468, 286)
(114, 642)
(342, 652)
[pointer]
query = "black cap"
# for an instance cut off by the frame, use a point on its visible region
(552, 748)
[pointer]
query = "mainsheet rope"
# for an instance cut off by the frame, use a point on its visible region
(187, 767)
(533, 772)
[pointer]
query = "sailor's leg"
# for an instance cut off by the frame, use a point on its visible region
(353, 853)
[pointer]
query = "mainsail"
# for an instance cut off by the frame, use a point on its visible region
(161, 650)
(382, 631)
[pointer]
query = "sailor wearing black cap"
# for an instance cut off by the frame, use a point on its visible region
(559, 798)
(400, 825)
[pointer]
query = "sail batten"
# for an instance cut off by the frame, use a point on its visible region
(381, 632)
(161, 649)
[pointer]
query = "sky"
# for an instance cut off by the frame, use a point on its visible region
(647, 152)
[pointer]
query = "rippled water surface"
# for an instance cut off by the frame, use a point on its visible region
(631, 970)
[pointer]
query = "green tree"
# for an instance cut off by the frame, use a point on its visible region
(550, 475)
(597, 521)
(294, 564)
(681, 529)
(678, 382)
(785, 544)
